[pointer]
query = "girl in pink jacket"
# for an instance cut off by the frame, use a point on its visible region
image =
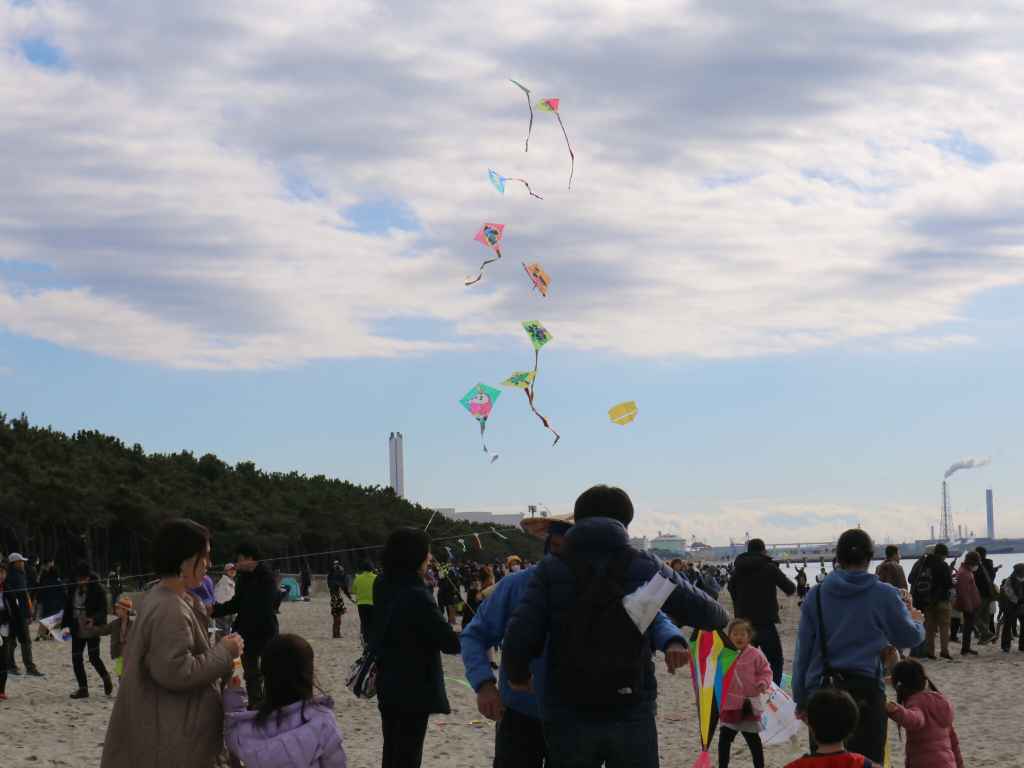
(927, 717)
(752, 676)
(968, 599)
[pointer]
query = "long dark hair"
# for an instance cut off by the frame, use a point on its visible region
(909, 677)
(287, 666)
(405, 551)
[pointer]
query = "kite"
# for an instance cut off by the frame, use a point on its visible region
(712, 666)
(479, 401)
(540, 278)
(490, 237)
(499, 182)
(551, 105)
(529, 104)
(623, 413)
(476, 538)
(462, 543)
(539, 336)
(503, 538)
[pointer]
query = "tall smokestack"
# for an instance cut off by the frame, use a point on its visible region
(396, 464)
(990, 515)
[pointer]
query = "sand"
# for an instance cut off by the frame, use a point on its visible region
(41, 726)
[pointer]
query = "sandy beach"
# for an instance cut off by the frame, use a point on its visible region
(43, 727)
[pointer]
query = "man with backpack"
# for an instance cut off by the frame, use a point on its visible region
(599, 690)
(753, 587)
(931, 582)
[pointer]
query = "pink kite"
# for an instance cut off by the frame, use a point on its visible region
(490, 237)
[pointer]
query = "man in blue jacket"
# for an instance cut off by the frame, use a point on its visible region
(859, 618)
(519, 742)
(617, 727)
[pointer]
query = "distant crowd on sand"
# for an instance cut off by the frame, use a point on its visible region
(204, 674)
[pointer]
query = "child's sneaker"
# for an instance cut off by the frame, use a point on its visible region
(3, 697)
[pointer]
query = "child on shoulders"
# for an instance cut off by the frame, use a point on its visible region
(927, 717)
(752, 676)
(291, 728)
(831, 717)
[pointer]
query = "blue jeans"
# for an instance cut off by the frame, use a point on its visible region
(766, 637)
(631, 742)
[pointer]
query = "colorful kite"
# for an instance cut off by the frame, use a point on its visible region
(499, 182)
(551, 105)
(489, 236)
(711, 664)
(529, 104)
(479, 401)
(539, 336)
(623, 413)
(540, 278)
(519, 380)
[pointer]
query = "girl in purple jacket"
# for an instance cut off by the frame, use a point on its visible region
(291, 728)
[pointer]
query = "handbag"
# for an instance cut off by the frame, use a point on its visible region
(362, 676)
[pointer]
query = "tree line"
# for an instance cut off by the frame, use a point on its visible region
(90, 496)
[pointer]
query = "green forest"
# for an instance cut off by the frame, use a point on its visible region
(88, 496)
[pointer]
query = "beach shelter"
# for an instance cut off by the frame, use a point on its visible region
(711, 665)
(292, 586)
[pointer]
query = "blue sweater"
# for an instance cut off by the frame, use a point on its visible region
(862, 617)
(487, 629)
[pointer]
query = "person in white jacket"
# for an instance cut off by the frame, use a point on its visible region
(222, 593)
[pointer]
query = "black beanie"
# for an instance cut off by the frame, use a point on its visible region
(604, 501)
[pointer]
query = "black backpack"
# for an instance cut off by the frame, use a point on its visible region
(600, 657)
(921, 591)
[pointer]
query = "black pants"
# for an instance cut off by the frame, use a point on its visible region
(253, 677)
(78, 646)
(519, 742)
(630, 742)
(725, 739)
(365, 621)
(869, 737)
(968, 630)
(1010, 617)
(766, 637)
(19, 634)
(3, 663)
(403, 739)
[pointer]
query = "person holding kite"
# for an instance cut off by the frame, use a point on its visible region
(599, 690)
(752, 676)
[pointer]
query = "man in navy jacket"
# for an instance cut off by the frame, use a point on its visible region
(625, 732)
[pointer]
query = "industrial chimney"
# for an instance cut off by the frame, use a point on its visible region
(990, 515)
(396, 464)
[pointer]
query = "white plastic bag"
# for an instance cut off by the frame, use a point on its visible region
(644, 604)
(779, 722)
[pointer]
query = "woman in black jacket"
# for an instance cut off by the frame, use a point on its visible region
(86, 601)
(409, 637)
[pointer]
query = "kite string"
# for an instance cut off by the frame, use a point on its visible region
(526, 184)
(529, 398)
(480, 274)
(572, 155)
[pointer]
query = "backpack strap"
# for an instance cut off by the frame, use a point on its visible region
(826, 667)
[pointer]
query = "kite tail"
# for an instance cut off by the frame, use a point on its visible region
(526, 184)
(480, 274)
(494, 456)
(572, 155)
(529, 397)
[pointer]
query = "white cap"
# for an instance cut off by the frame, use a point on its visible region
(16, 558)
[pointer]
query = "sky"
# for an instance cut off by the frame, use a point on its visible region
(793, 238)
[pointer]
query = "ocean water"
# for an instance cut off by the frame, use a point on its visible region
(813, 566)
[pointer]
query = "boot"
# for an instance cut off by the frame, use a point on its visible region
(33, 671)
(81, 693)
(336, 632)
(108, 684)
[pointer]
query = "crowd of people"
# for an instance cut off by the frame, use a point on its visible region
(202, 667)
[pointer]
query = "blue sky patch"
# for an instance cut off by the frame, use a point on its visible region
(376, 217)
(956, 143)
(43, 53)
(302, 188)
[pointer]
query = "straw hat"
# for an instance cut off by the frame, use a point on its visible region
(538, 526)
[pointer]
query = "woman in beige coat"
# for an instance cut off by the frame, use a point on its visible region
(168, 712)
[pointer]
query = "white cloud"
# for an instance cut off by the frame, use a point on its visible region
(149, 176)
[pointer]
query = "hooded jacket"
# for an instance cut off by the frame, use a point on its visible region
(968, 599)
(753, 587)
(540, 616)
(750, 669)
(861, 617)
(927, 717)
(942, 580)
(301, 735)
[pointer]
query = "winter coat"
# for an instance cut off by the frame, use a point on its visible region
(301, 735)
(753, 588)
(540, 617)
(95, 607)
(968, 599)
(19, 587)
(337, 580)
(891, 572)
(942, 580)
(256, 596)
(750, 668)
(168, 711)
(117, 645)
(10, 611)
(927, 717)
(51, 595)
(862, 616)
(410, 637)
(1011, 593)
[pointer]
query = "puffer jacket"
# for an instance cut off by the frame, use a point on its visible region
(927, 717)
(541, 614)
(301, 735)
(753, 588)
(749, 671)
(968, 598)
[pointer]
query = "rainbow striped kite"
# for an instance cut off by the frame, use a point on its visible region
(711, 665)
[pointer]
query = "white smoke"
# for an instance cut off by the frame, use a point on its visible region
(966, 464)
